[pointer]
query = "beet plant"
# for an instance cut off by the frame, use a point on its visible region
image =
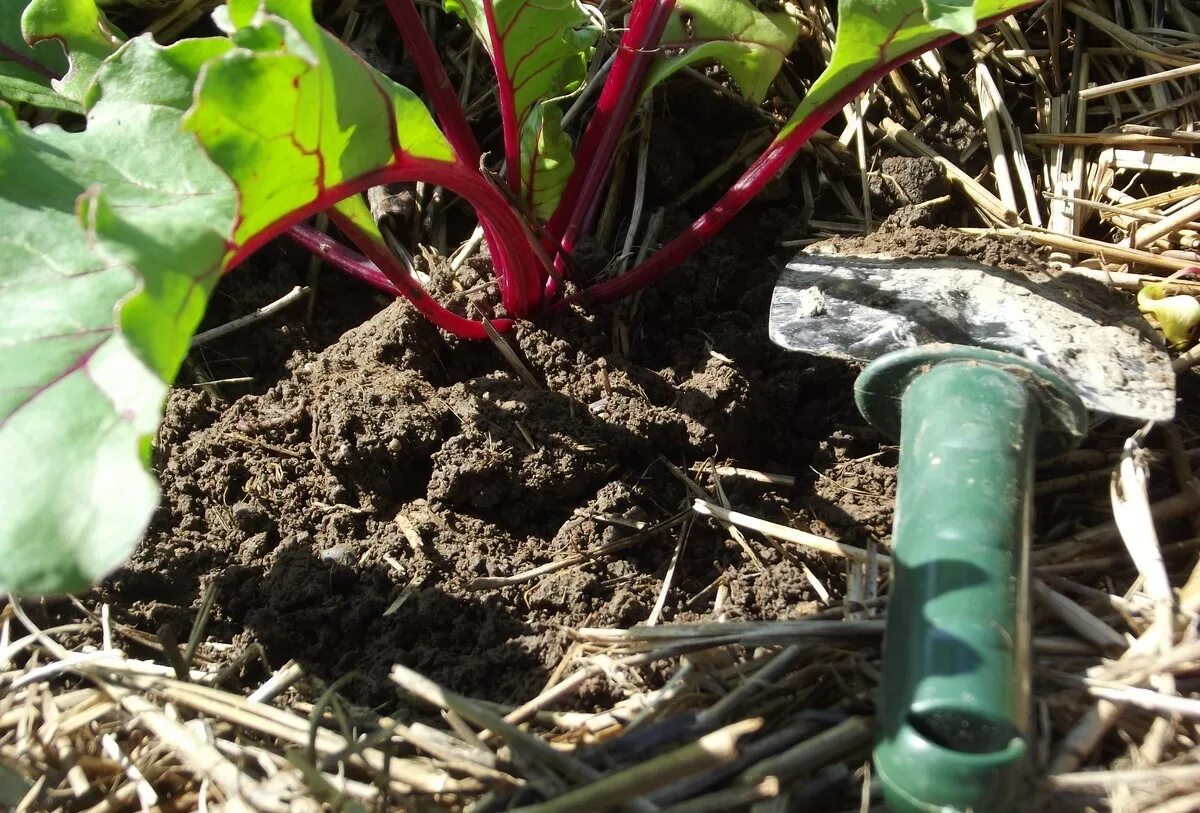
(174, 163)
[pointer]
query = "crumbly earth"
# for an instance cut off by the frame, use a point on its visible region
(383, 498)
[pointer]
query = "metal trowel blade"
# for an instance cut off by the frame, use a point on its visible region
(854, 307)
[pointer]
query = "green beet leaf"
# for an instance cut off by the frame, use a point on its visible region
(35, 41)
(750, 44)
(540, 51)
(954, 15)
(271, 115)
(544, 143)
(24, 91)
(34, 65)
(872, 34)
(79, 28)
(25, 70)
(112, 241)
(116, 235)
(356, 211)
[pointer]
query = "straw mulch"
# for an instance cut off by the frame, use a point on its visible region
(1084, 112)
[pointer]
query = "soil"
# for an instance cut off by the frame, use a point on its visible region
(345, 512)
(383, 493)
(919, 241)
(356, 506)
(349, 488)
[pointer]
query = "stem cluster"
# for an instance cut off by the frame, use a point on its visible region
(528, 267)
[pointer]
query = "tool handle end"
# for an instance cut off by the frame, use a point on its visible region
(954, 704)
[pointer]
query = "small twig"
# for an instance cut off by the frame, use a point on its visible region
(506, 351)
(265, 312)
(814, 753)
(750, 147)
(201, 622)
(1101, 781)
(278, 683)
(1148, 234)
(589, 90)
(680, 543)
(694, 488)
(989, 112)
(1149, 699)
(751, 474)
(760, 632)
(989, 205)
(1148, 79)
(639, 189)
(709, 751)
(762, 680)
(1180, 505)
(1079, 619)
(734, 798)
(426, 690)
(787, 534)
(467, 249)
(497, 582)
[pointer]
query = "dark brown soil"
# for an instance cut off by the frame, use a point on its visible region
(345, 513)
(918, 241)
(357, 506)
(382, 499)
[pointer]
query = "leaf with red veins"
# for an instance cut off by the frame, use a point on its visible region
(540, 51)
(293, 116)
(114, 237)
(299, 121)
(548, 158)
(79, 28)
(873, 34)
(750, 44)
(112, 242)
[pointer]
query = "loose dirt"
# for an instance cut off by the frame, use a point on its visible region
(397, 496)
(362, 509)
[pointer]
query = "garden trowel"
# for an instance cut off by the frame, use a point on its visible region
(979, 372)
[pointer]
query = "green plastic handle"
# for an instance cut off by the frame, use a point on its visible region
(954, 704)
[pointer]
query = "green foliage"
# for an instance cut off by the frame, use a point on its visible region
(272, 113)
(115, 236)
(34, 48)
(82, 30)
(24, 91)
(111, 242)
(872, 34)
(19, 59)
(750, 44)
(953, 15)
(542, 49)
(544, 144)
(25, 70)
(194, 154)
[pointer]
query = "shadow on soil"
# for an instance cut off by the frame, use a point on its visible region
(340, 620)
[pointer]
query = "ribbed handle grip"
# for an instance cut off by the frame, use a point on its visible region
(954, 706)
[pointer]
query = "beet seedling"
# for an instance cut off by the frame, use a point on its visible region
(195, 154)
